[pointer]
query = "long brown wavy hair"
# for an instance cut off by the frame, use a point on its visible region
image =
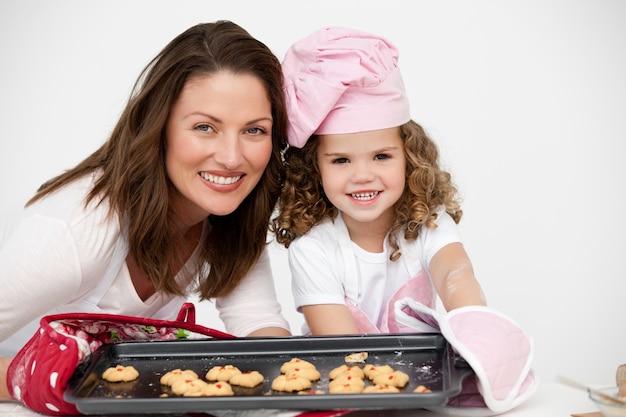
(132, 162)
(303, 203)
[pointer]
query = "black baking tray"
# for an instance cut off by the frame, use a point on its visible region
(427, 358)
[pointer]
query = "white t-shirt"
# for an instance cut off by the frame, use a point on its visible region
(318, 266)
(56, 254)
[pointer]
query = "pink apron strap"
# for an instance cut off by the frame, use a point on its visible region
(363, 323)
(419, 288)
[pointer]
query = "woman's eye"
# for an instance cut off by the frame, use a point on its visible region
(256, 131)
(204, 128)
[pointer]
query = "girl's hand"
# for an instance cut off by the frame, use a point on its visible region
(270, 332)
(329, 319)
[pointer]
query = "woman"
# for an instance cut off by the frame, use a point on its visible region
(177, 201)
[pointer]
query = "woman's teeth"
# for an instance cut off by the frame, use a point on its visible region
(219, 180)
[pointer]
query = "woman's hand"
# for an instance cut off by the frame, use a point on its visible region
(4, 390)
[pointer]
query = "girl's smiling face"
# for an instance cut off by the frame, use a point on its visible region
(219, 141)
(363, 174)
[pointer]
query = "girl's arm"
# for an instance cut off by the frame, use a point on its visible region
(270, 331)
(453, 276)
(329, 319)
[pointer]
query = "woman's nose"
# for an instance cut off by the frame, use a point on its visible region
(229, 152)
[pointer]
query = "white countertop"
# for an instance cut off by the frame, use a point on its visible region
(550, 400)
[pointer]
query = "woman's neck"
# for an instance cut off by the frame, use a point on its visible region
(190, 238)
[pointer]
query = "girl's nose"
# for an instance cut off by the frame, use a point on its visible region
(362, 172)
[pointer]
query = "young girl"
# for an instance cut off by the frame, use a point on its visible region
(369, 218)
(367, 213)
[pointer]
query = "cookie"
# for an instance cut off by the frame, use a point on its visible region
(346, 389)
(120, 373)
(189, 387)
(169, 378)
(346, 370)
(222, 373)
(421, 389)
(311, 392)
(295, 363)
(247, 379)
(311, 374)
(397, 379)
(371, 371)
(346, 384)
(216, 389)
(290, 383)
(380, 388)
(355, 358)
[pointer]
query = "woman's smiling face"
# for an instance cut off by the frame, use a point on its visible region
(219, 141)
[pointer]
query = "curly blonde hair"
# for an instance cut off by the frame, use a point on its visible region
(303, 204)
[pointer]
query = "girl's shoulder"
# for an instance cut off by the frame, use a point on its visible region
(323, 233)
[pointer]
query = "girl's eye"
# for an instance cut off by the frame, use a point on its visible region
(381, 157)
(340, 160)
(204, 128)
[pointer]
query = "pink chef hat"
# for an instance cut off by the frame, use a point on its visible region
(340, 80)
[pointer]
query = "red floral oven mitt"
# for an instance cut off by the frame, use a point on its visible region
(39, 373)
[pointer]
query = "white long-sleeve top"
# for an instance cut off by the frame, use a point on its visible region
(56, 255)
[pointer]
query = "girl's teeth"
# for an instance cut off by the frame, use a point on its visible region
(365, 196)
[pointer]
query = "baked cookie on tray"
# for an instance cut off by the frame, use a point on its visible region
(248, 379)
(290, 383)
(120, 373)
(346, 370)
(311, 374)
(380, 388)
(346, 384)
(222, 373)
(295, 363)
(396, 378)
(216, 389)
(171, 377)
(371, 371)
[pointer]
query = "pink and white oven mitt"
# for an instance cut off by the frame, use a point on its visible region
(495, 347)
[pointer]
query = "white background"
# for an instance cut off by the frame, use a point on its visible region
(526, 99)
